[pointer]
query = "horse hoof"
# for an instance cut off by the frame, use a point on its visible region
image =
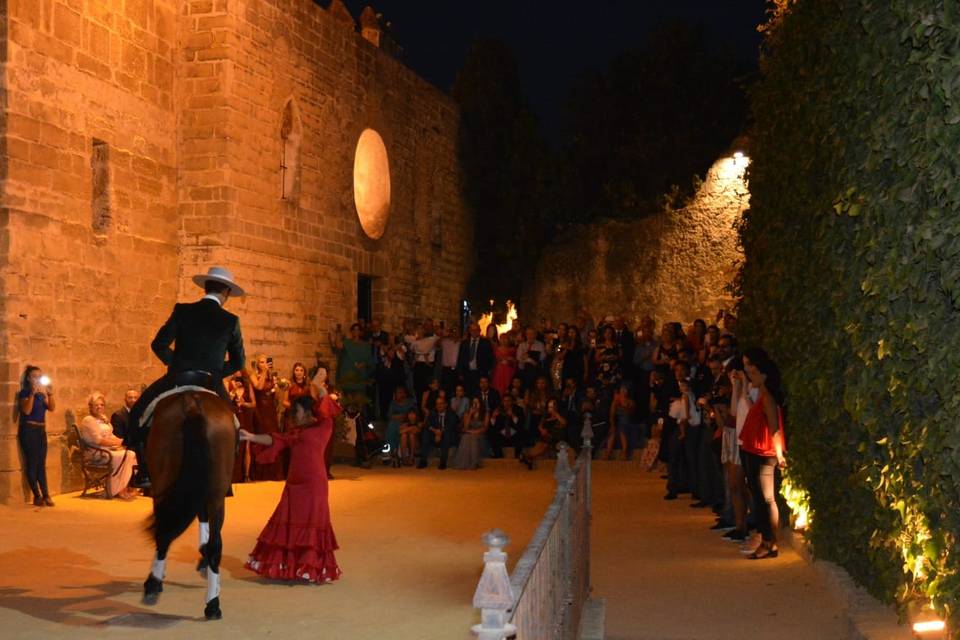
(151, 590)
(212, 610)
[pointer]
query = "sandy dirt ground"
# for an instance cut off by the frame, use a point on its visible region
(666, 576)
(411, 556)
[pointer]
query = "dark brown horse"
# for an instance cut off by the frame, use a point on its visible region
(190, 454)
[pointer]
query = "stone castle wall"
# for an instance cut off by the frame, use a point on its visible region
(675, 265)
(189, 97)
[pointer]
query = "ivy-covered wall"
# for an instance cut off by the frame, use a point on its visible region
(852, 278)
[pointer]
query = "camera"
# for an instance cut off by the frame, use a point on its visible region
(45, 381)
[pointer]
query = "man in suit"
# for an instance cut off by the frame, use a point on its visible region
(488, 396)
(506, 428)
(121, 417)
(204, 335)
(442, 430)
(475, 359)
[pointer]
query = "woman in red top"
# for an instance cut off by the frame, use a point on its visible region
(506, 355)
(298, 541)
(762, 448)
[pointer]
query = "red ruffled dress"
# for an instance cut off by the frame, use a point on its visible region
(298, 541)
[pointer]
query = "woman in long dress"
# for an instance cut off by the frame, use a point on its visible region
(505, 354)
(298, 542)
(473, 432)
(96, 430)
(244, 406)
(265, 420)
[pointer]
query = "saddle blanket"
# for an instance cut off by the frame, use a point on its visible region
(148, 412)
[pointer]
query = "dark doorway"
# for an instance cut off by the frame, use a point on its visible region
(364, 297)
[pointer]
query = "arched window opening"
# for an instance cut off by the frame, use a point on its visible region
(291, 134)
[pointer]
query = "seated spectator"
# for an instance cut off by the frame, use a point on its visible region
(551, 430)
(96, 431)
(409, 429)
(460, 403)
(121, 417)
(442, 430)
(473, 430)
(506, 428)
(429, 397)
(396, 413)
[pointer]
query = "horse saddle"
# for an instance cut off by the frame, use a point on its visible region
(183, 382)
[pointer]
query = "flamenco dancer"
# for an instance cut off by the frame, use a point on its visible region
(298, 541)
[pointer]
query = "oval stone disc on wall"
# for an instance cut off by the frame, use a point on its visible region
(371, 183)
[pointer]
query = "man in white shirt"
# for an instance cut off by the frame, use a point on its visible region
(530, 355)
(449, 354)
(424, 355)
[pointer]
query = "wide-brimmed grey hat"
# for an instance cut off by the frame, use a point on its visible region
(221, 275)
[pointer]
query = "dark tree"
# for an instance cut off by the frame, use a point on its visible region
(507, 168)
(652, 120)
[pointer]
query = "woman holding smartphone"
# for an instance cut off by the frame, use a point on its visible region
(33, 401)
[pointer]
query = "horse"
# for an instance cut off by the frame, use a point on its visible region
(190, 453)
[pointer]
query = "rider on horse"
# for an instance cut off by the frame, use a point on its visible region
(203, 334)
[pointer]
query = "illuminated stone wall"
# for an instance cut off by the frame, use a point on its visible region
(674, 265)
(194, 100)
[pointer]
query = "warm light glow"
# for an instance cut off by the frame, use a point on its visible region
(506, 327)
(371, 183)
(737, 157)
(929, 626)
(799, 502)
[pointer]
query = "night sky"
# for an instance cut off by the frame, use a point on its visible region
(555, 42)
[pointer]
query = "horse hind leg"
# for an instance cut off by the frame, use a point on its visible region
(212, 552)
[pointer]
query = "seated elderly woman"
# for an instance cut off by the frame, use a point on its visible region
(96, 430)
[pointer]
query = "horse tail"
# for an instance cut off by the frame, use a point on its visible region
(175, 510)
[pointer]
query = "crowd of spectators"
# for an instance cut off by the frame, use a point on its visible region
(706, 416)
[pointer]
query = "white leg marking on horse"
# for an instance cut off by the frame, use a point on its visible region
(159, 568)
(213, 585)
(204, 533)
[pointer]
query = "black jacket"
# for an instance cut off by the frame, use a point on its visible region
(484, 356)
(204, 334)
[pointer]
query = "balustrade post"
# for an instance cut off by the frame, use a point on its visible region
(494, 596)
(562, 472)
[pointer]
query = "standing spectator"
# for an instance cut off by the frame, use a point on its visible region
(710, 486)
(608, 361)
(762, 446)
(505, 355)
(355, 364)
(626, 344)
(530, 355)
(442, 430)
(449, 354)
(245, 407)
(475, 360)
(34, 400)
(265, 420)
(575, 358)
(120, 419)
(621, 410)
(97, 431)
